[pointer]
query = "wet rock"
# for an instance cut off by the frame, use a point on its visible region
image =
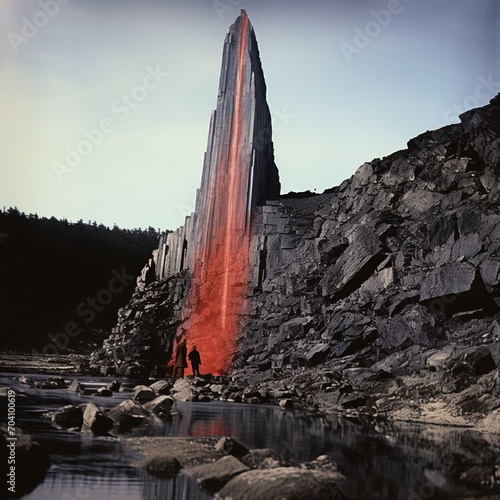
(162, 466)
(76, 386)
(263, 458)
(229, 446)
(143, 393)
(27, 381)
(160, 406)
(32, 461)
(161, 387)
(283, 482)
(215, 475)
(286, 403)
(95, 421)
(103, 392)
(114, 386)
(52, 383)
(182, 390)
(128, 415)
(68, 417)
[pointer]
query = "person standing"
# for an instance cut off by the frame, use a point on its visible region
(180, 359)
(194, 357)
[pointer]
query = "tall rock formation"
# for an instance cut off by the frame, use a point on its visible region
(238, 175)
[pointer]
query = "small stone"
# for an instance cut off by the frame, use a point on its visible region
(229, 446)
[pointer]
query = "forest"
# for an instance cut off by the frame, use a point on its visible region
(62, 283)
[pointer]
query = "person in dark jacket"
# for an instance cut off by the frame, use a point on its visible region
(180, 359)
(194, 357)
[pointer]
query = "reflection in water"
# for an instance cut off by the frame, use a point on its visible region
(389, 462)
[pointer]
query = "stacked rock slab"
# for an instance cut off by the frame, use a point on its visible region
(239, 174)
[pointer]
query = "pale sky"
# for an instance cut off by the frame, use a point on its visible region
(348, 81)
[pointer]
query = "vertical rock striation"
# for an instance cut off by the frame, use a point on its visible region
(238, 175)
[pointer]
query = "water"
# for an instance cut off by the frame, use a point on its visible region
(388, 462)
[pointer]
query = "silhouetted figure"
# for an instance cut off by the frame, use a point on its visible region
(194, 357)
(180, 359)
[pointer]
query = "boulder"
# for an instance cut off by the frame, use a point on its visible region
(161, 387)
(263, 458)
(286, 403)
(27, 381)
(160, 406)
(76, 386)
(317, 354)
(114, 386)
(95, 421)
(143, 393)
(103, 392)
(127, 415)
(182, 390)
(455, 287)
(229, 446)
(52, 383)
(68, 417)
(214, 475)
(162, 466)
(283, 483)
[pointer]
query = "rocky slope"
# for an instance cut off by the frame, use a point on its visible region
(380, 296)
(387, 288)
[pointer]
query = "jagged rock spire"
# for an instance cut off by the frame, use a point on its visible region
(239, 174)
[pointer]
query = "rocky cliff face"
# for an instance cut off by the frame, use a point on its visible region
(380, 295)
(387, 286)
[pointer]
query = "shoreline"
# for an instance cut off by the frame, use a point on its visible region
(434, 408)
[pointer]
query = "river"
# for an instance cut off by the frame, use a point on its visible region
(380, 461)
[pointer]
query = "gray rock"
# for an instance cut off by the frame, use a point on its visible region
(143, 393)
(263, 458)
(52, 383)
(76, 386)
(162, 466)
(103, 392)
(128, 415)
(317, 354)
(161, 387)
(27, 381)
(283, 482)
(68, 417)
(114, 386)
(215, 475)
(95, 421)
(286, 403)
(229, 446)
(160, 406)
(182, 390)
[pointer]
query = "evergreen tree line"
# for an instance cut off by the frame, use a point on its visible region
(58, 275)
